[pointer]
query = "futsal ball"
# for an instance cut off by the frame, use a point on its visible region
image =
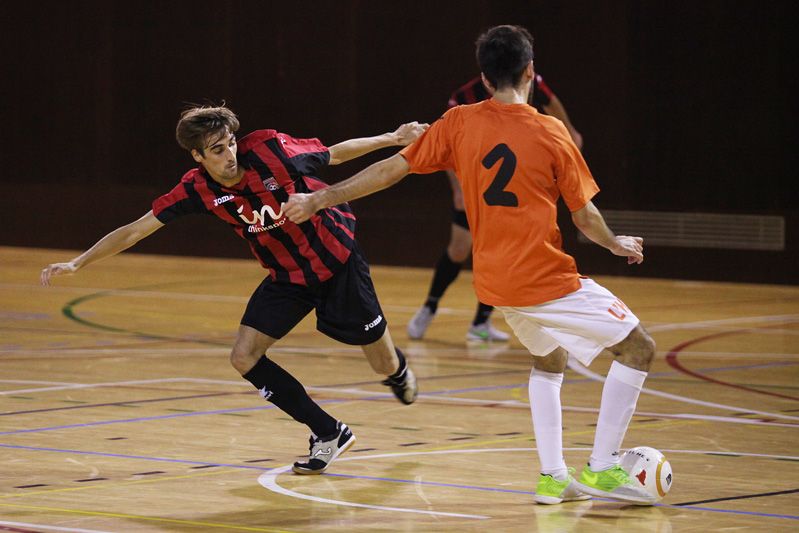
(650, 469)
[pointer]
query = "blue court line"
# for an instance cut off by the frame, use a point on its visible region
(369, 398)
(142, 419)
(374, 478)
(178, 415)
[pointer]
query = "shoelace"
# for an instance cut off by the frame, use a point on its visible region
(619, 475)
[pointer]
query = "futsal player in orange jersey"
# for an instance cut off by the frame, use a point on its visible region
(513, 164)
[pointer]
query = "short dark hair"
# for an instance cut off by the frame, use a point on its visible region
(503, 52)
(198, 123)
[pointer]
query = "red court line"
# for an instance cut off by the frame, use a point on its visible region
(671, 359)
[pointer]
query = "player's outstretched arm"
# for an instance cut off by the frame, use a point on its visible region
(591, 223)
(353, 148)
(556, 109)
(120, 239)
(381, 175)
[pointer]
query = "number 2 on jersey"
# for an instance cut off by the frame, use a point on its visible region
(496, 193)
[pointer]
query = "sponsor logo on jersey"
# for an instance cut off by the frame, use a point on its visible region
(222, 199)
(373, 323)
(258, 217)
(258, 228)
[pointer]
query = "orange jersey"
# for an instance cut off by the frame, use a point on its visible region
(513, 164)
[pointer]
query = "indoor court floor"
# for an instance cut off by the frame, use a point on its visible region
(119, 410)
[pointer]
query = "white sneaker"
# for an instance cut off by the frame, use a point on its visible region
(419, 323)
(486, 332)
(324, 452)
(405, 387)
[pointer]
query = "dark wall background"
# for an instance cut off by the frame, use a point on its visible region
(684, 106)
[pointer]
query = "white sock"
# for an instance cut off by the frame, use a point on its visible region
(619, 396)
(544, 390)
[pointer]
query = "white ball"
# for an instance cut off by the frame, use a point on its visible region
(649, 468)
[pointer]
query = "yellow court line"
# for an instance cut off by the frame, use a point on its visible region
(147, 518)
(119, 484)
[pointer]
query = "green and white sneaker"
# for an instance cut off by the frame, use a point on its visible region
(486, 332)
(613, 483)
(550, 491)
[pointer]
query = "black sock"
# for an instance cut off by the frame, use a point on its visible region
(403, 365)
(282, 389)
(482, 314)
(446, 272)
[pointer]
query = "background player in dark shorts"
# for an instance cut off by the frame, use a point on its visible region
(460, 240)
(313, 265)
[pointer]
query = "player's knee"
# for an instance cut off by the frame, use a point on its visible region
(242, 359)
(639, 350)
(458, 251)
(555, 362)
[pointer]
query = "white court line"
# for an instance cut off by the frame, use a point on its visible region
(268, 479)
(722, 322)
(133, 292)
(95, 385)
(45, 527)
(526, 405)
(461, 400)
(580, 369)
(343, 349)
(35, 382)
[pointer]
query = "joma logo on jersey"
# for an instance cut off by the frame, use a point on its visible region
(373, 323)
(222, 199)
(259, 217)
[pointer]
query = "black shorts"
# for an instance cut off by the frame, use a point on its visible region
(346, 305)
(459, 218)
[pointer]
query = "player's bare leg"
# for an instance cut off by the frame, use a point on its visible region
(389, 360)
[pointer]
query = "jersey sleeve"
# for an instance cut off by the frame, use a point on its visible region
(432, 151)
(574, 179)
(307, 156)
(176, 203)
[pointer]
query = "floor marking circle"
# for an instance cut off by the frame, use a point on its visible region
(268, 479)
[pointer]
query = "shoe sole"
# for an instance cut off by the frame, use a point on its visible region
(553, 500)
(308, 472)
(604, 494)
(476, 338)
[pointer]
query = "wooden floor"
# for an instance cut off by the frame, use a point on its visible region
(119, 410)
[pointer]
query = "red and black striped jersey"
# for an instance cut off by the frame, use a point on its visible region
(275, 165)
(474, 91)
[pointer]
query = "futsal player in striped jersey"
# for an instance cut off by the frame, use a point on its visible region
(315, 265)
(513, 164)
(460, 240)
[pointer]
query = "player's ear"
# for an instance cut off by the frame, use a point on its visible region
(196, 155)
(530, 70)
(487, 84)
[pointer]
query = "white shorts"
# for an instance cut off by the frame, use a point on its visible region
(583, 322)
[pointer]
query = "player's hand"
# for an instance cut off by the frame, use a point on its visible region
(407, 133)
(57, 269)
(630, 247)
(300, 207)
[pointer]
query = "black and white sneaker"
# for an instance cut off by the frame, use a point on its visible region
(324, 451)
(404, 386)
